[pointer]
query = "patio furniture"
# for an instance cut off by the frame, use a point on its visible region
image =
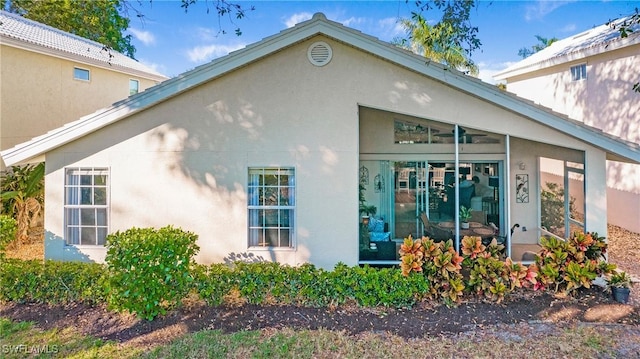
(466, 192)
(475, 229)
(434, 232)
(479, 216)
(403, 179)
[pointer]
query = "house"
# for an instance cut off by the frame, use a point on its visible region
(51, 77)
(589, 77)
(264, 152)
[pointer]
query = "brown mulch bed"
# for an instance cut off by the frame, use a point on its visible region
(525, 312)
(590, 306)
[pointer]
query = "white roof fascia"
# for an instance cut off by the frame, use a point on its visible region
(317, 25)
(8, 41)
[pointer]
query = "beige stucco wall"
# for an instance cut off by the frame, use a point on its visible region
(184, 162)
(39, 93)
(606, 101)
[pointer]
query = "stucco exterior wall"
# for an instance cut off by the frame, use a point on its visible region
(184, 161)
(39, 93)
(604, 100)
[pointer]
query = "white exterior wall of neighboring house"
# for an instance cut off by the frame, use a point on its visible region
(184, 161)
(39, 91)
(604, 100)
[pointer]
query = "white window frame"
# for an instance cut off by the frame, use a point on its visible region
(137, 89)
(88, 72)
(86, 206)
(271, 207)
(579, 72)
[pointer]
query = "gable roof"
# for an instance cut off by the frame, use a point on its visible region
(588, 43)
(23, 33)
(318, 25)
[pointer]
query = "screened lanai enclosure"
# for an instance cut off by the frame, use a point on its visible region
(421, 177)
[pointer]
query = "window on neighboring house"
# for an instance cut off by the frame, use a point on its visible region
(86, 206)
(134, 87)
(81, 74)
(579, 72)
(271, 205)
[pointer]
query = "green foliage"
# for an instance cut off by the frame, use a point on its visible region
(372, 287)
(465, 214)
(565, 266)
(450, 40)
(365, 209)
(19, 183)
(106, 21)
(98, 20)
(306, 285)
(412, 255)
(619, 279)
(213, 282)
(22, 195)
(8, 227)
(521, 276)
(223, 8)
(543, 43)
(552, 208)
(488, 276)
(150, 270)
(442, 268)
(52, 282)
(480, 270)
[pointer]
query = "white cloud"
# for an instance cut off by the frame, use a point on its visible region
(145, 37)
(205, 34)
(155, 66)
(487, 70)
(353, 21)
(541, 8)
(391, 28)
(297, 18)
(207, 52)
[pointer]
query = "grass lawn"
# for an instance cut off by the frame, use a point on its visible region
(21, 339)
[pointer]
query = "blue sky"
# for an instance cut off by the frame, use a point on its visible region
(172, 41)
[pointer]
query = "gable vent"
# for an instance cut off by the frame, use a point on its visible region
(319, 53)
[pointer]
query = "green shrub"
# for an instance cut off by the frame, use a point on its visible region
(306, 285)
(315, 286)
(8, 227)
(52, 282)
(213, 283)
(565, 266)
(150, 270)
(370, 287)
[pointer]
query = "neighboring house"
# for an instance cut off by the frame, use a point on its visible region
(49, 77)
(262, 153)
(589, 77)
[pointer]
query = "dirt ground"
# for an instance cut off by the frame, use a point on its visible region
(522, 313)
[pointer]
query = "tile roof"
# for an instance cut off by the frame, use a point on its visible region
(599, 39)
(52, 40)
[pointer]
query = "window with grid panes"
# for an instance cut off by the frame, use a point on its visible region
(86, 209)
(579, 72)
(271, 207)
